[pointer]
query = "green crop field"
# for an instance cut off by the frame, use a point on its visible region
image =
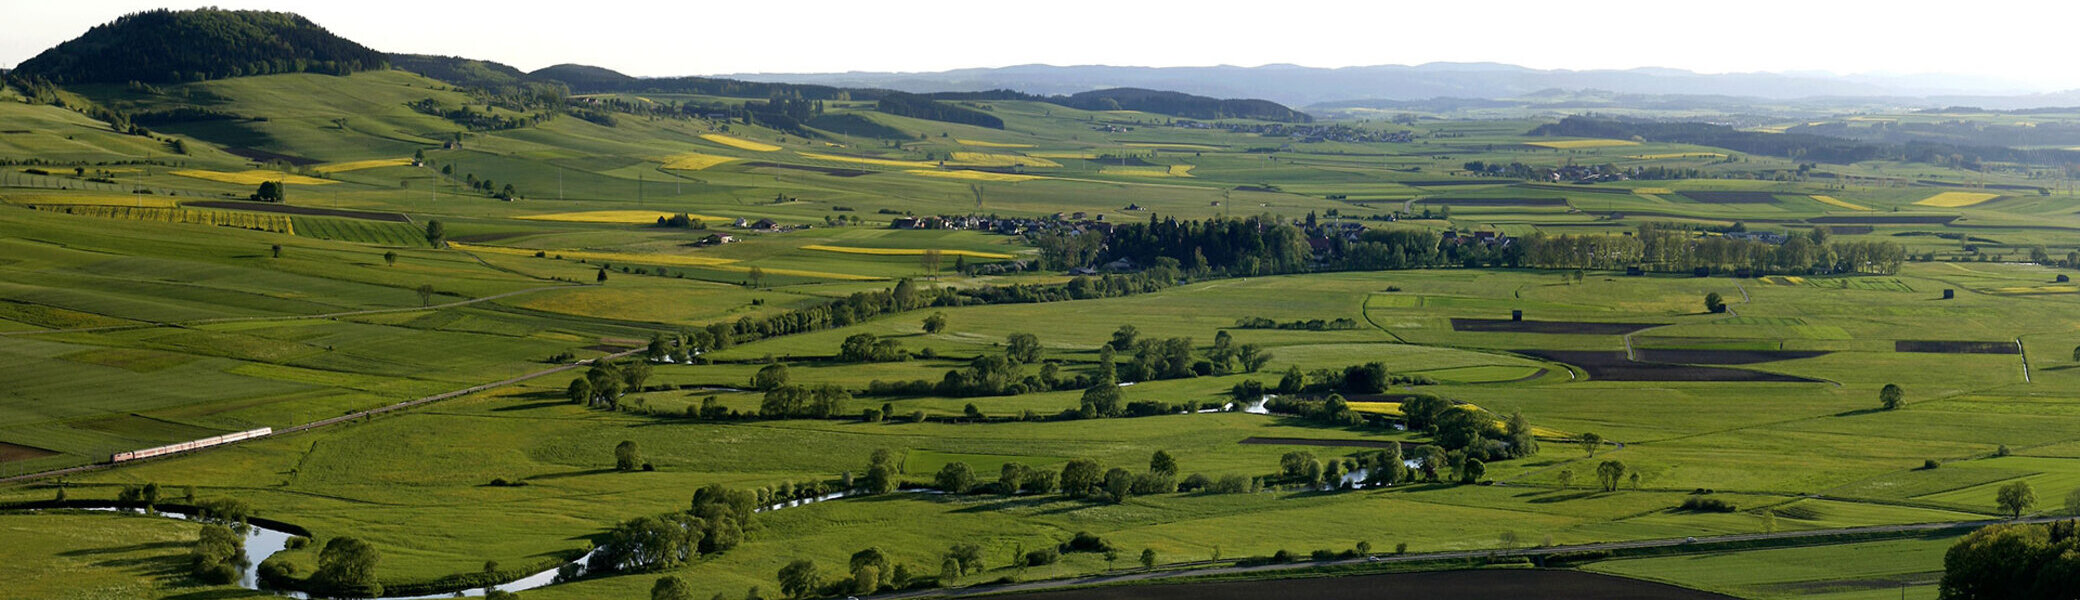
(441, 235)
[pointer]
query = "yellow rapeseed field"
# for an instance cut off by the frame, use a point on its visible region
(974, 175)
(1652, 191)
(630, 217)
(983, 144)
(1076, 155)
(904, 251)
(1170, 171)
(1580, 144)
(1831, 201)
(358, 165)
(984, 159)
(253, 177)
(694, 161)
(1166, 146)
(741, 144)
(1956, 199)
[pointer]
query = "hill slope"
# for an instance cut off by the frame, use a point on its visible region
(163, 46)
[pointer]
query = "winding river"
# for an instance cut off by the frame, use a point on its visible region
(262, 543)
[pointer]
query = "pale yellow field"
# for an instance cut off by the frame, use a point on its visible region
(694, 161)
(253, 177)
(885, 162)
(1171, 171)
(1580, 144)
(740, 144)
(1653, 191)
(904, 251)
(2048, 289)
(983, 144)
(672, 260)
(363, 164)
(1678, 155)
(143, 200)
(974, 175)
(984, 159)
(1831, 201)
(628, 217)
(1077, 155)
(1172, 146)
(1956, 199)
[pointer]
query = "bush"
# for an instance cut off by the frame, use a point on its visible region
(1194, 482)
(1930, 464)
(1084, 541)
(1042, 557)
(1705, 504)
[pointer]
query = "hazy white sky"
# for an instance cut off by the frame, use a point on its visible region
(2027, 42)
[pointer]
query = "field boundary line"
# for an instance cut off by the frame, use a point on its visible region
(331, 315)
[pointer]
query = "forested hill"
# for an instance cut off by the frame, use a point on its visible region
(584, 79)
(164, 46)
(1805, 147)
(1181, 105)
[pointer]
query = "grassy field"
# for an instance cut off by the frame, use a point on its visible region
(124, 332)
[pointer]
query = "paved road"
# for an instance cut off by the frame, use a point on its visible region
(343, 418)
(1703, 544)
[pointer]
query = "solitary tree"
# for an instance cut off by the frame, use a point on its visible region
(757, 277)
(1713, 303)
(277, 250)
(1566, 478)
(1148, 558)
(1891, 396)
(1610, 474)
(1162, 463)
(799, 579)
(1022, 348)
(671, 587)
(2076, 354)
(770, 377)
(2016, 498)
(1590, 442)
(626, 456)
(425, 292)
(436, 232)
(348, 564)
(935, 323)
(390, 258)
(955, 478)
(270, 191)
(930, 261)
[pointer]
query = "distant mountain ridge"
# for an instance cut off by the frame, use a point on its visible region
(1294, 85)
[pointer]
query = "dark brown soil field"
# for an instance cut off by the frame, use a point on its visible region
(831, 171)
(1722, 357)
(1278, 441)
(13, 452)
(1488, 584)
(1495, 201)
(1576, 327)
(1731, 197)
(1613, 366)
(300, 210)
(1950, 347)
(1885, 220)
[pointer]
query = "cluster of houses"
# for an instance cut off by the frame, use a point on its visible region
(1584, 174)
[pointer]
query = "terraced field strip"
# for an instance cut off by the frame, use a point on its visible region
(974, 175)
(625, 217)
(668, 260)
(740, 144)
(695, 161)
(1956, 199)
(983, 144)
(1831, 201)
(905, 251)
(1581, 144)
(252, 177)
(361, 165)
